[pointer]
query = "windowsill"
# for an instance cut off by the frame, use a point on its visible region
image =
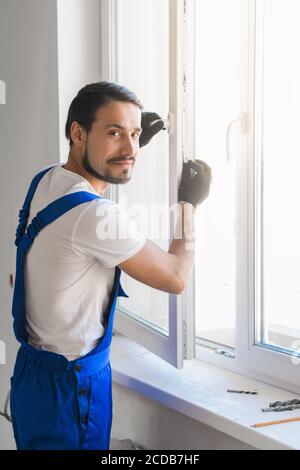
(199, 391)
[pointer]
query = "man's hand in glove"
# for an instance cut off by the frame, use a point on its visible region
(195, 182)
(151, 124)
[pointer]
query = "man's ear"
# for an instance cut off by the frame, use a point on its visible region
(78, 134)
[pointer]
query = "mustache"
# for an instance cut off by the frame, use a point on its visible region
(123, 160)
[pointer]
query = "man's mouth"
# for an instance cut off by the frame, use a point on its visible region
(123, 163)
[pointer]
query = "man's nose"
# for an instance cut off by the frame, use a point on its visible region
(129, 146)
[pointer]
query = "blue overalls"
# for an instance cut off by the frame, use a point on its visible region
(58, 404)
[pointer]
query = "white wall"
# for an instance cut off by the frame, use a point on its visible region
(157, 427)
(78, 25)
(28, 138)
(41, 78)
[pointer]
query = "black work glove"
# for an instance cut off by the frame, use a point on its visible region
(150, 127)
(195, 182)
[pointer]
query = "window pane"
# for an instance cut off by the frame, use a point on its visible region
(217, 99)
(279, 322)
(144, 56)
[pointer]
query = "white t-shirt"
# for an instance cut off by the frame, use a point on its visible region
(69, 269)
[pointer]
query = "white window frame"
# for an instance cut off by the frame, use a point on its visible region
(249, 359)
(180, 344)
(263, 360)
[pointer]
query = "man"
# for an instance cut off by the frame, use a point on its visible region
(68, 278)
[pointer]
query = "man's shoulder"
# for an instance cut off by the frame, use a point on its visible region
(102, 206)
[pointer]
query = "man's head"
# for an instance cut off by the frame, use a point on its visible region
(103, 127)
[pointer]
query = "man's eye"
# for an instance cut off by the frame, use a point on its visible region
(115, 132)
(136, 134)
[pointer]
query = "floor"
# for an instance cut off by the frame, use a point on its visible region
(125, 444)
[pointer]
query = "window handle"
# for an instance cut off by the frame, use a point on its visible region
(168, 123)
(242, 123)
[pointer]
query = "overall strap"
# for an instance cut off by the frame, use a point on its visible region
(53, 211)
(44, 217)
(24, 212)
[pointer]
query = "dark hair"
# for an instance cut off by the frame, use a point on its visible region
(84, 106)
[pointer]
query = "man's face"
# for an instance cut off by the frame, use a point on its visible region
(112, 140)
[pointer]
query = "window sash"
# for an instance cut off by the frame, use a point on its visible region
(180, 343)
(270, 364)
(261, 363)
(252, 360)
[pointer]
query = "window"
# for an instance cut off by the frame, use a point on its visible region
(226, 76)
(278, 169)
(143, 41)
(147, 42)
(268, 297)
(217, 106)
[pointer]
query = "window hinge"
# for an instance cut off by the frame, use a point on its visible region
(169, 123)
(184, 339)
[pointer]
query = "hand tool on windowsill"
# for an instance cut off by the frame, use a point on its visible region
(283, 405)
(274, 404)
(269, 423)
(282, 408)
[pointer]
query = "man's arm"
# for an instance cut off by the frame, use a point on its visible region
(170, 271)
(167, 271)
